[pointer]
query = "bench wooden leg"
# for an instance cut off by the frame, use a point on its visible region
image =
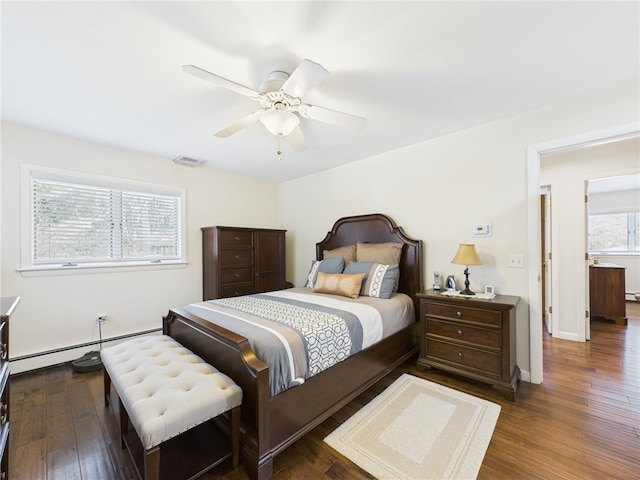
(106, 380)
(152, 463)
(234, 435)
(124, 422)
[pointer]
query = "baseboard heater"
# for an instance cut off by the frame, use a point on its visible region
(83, 345)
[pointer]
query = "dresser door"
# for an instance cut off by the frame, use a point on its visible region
(269, 262)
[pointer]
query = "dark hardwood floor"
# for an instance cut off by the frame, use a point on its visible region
(582, 423)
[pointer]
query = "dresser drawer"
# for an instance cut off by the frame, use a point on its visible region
(464, 333)
(236, 290)
(235, 238)
(235, 275)
(236, 257)
(487, 362)
(469, 314)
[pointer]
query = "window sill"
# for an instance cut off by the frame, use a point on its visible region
(90, 269)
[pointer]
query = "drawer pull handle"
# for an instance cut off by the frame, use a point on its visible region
(237, 257)
(237, 238)
(4, 412)
(460, 354)
(460, 332)
(459, 314)
(237, 275)
(3, 351)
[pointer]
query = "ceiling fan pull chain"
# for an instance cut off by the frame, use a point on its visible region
(279, 152)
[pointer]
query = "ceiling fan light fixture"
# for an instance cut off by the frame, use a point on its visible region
(279, 121)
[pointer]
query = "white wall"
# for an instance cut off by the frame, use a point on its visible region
(60, 311)
(567, 173)
(437, 189)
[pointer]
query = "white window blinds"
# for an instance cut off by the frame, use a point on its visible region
(93, 221)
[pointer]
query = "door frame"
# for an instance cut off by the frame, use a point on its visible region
(534, 225)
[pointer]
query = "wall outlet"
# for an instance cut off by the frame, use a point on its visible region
(516, 260)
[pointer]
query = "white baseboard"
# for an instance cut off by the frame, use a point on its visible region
(48, 359)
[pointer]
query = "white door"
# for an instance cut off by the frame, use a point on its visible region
(545, 260)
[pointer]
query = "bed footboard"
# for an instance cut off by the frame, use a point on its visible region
(231, 354)
(271, 424)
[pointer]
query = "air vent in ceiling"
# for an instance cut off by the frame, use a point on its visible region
(189, 162)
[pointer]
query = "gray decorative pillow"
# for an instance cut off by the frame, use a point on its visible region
(328, 265)
(384, 253)
(379, 281)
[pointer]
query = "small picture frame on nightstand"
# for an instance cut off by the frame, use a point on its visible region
(489, 290)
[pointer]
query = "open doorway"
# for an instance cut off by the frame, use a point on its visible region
(569, 171)
(613, 244)
(535, 180)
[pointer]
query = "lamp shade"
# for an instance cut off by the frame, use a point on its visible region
(279, 121)
(466, 255)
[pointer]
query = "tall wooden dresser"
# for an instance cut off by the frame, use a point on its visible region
(607, 292)
(7, 306)
(241, 261)
(471, 337)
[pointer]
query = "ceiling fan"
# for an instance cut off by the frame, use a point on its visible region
(281, 105)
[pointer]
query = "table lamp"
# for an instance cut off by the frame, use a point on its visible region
(466, 255)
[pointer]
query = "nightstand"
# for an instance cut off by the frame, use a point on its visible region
(471, 337)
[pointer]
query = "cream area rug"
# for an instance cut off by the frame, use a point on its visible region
(418, 430)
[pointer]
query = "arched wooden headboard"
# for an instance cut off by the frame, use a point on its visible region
(378, 228)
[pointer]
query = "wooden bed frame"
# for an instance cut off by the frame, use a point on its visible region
(271, 424)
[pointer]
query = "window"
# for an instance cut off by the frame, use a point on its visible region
(81, 221)
(614, 233)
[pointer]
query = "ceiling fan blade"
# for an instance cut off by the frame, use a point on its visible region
(240, 124)
(333, 117)
(306, 76)
(218, 80)
(296, 140)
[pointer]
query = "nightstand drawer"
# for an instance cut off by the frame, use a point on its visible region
(235, 238)
(484, 361)
(464, 333)
(469, 314)
(235, 275)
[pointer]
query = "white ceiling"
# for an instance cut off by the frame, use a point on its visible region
(110, 72)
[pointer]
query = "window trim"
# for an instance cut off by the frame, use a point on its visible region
(28, 268)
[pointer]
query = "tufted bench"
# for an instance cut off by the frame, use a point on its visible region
(165, 390)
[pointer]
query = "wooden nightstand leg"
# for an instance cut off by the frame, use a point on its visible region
(510, 392)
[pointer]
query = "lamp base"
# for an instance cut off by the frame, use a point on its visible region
(466, 290)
